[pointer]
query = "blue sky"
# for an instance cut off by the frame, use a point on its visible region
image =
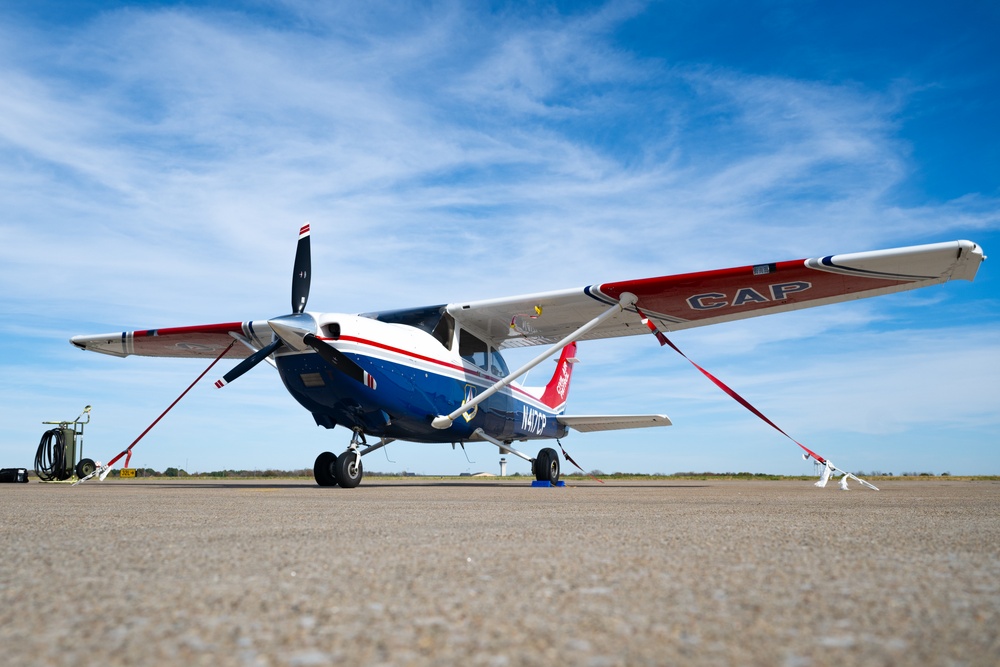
(157, 159)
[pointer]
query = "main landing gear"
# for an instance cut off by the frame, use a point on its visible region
(545, 466)
(345, 470)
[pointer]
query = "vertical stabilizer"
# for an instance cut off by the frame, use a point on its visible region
(557, 389)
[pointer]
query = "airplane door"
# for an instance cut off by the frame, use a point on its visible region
(496, 411)
(500, 415)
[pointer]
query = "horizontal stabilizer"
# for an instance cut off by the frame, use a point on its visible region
(588, 423)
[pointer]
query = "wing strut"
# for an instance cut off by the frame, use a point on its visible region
(444, 421)
(828, 467)
(502, 445)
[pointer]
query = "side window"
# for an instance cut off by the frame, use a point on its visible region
(472, 349)
(498, 366)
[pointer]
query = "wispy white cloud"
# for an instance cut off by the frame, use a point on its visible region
(156, 163)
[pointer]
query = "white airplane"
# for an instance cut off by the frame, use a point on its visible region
(436, 373)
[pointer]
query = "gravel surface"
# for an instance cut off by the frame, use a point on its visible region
(498, 573)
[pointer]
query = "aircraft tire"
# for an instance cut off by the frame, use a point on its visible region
(547, 466)
(348, 475)
(325, 469)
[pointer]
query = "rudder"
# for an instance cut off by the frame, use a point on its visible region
(557, 389)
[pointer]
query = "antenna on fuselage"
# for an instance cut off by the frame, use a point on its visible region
(463, 451)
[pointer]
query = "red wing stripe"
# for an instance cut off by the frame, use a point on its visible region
(224, 328)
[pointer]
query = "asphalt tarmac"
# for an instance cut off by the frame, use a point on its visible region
(498, 573)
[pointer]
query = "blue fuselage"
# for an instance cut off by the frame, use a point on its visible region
(401, 400)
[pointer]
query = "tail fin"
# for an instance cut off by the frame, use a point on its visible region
(557, 389)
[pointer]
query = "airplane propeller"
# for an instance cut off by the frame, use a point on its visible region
(302, 272)
(290, 327)
(248, 363)
(301, 278)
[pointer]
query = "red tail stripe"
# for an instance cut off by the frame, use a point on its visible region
(558, 387)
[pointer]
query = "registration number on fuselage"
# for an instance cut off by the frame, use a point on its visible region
(533, 421)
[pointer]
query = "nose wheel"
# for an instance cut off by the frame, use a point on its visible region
(345, 470)
(324, 470)
(349, 469)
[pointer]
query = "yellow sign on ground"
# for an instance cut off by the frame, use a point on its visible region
(127, 472)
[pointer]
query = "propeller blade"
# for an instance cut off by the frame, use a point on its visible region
(248, 363)
(335, 358)
(302, 273)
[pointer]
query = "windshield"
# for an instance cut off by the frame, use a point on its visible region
(432, 319)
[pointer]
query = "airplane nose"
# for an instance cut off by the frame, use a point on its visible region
(291, 329)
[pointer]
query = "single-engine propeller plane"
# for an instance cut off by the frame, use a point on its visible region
(436, 374)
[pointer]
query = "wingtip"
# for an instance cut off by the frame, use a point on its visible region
(970, 256)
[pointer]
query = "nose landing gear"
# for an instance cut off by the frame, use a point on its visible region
(345, 470)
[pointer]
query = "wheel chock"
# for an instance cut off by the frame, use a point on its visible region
(538, 483)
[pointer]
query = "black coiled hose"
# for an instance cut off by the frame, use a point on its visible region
(50, 459)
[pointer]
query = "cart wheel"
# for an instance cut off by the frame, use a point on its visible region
(85, 467)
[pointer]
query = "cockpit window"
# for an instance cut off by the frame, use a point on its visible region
(432, 319)
(479, 353)
(421, 318)
(436, 321)
(498, 366)
(444, 332)
(473, 350)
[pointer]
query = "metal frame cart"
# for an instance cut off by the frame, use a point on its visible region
(60, 452)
